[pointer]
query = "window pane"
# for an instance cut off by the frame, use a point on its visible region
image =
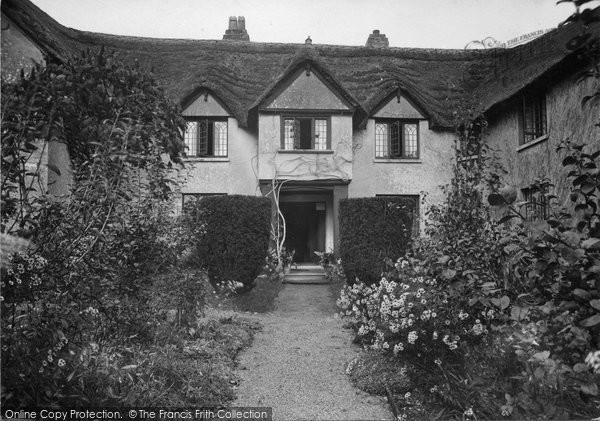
(395, 139)
(320, 134)
(302, 131)
(411, 148)
(381, 140)
(203, 138)
(191, 138)
(220, 138)
(288, 133)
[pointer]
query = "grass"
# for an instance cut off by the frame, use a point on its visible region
(188, 361)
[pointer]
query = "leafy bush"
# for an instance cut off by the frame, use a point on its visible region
(237, 237)
(85, 281)
(371, 230)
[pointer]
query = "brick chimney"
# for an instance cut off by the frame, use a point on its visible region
(377, 40)
(237, 29)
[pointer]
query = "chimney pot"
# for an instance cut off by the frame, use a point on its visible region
(308, 41)
(237, 29)
(377, 40)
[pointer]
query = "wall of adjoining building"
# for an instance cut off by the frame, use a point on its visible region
(566, 119)
(18, 51)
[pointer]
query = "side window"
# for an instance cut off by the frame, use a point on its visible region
(537, 202)
(534, 122)
(206, 137)
(396, 139)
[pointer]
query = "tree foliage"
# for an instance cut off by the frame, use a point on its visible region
(84, 281)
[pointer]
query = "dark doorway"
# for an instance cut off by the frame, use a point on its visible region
(305, 226)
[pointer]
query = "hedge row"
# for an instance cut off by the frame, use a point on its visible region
(237, 236)
(371, 230)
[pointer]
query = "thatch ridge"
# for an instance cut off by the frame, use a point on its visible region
(242, 73)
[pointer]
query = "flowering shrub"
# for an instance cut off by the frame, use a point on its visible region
(407, 313)
(23, 276)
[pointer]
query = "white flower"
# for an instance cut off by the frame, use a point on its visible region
(593, 361)
(398, 347)
(412, 337)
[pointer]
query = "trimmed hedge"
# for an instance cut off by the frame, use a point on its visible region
(371, 230)
(237, 237)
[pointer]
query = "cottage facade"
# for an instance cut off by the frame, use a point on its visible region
(332, 122)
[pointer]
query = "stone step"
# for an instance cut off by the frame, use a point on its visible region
(306, 267)
(306, 273)
(293, 279)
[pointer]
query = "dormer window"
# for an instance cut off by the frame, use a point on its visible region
(396, 139)
(305, 133)
(534, 123)
(206, 137)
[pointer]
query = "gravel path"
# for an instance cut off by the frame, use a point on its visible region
(297, 362)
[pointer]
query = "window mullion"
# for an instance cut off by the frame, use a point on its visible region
(313, 140)
(401, 140)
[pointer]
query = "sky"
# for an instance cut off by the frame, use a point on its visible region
(407, 23)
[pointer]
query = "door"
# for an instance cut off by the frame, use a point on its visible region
(305, 229)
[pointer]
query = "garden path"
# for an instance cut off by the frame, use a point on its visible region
(297, 362)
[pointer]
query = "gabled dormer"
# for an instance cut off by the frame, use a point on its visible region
(305, 123)
(307, 89)
(397, 128)
(207, 129)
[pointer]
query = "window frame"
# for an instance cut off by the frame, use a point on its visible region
(210, 120)
(534, 102)
(403, 122)
(312, 117)
(537, 202)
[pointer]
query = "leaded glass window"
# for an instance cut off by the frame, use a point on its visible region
(396, 139)
(206, 138)
(305, 133)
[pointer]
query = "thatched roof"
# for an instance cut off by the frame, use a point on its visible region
(242, 73)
